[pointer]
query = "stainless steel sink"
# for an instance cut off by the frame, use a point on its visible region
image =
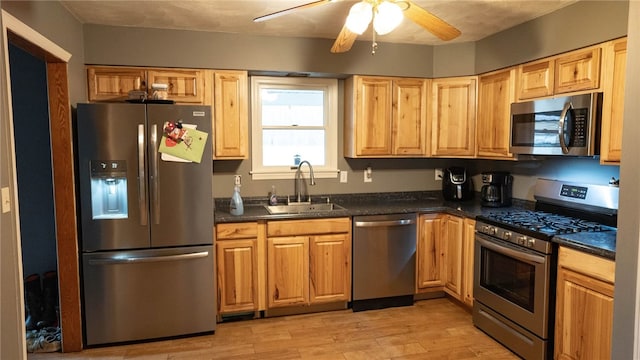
(298, 208)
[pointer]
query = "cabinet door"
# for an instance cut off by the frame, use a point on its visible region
(288, 271)
(535, 79)
(373, 116)
(231, 115)
(237, 275)
(453, 117)
(584, 306)
(452, 270)
(467, 261)
(114, 83)
(409, 117)
(613, 102)
(578, 70)
(496, 92)
(429, 256)
(185, 86)
(330, 268)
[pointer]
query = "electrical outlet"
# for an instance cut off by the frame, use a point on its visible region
(439, 174)
(238, 180)
(367, 175)
(343, 176)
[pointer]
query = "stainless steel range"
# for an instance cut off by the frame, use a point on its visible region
(515, 261)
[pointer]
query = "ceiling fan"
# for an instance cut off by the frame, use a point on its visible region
(385, 15)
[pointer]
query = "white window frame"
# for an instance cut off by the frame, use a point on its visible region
(330, 89)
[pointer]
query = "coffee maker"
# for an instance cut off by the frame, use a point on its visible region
(497, 189)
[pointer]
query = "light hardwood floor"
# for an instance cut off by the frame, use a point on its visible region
(431, 329)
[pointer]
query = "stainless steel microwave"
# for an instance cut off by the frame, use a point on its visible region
(566, 126)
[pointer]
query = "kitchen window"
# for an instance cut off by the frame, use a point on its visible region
(293, 119)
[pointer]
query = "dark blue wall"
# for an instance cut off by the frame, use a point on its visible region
(33, 161)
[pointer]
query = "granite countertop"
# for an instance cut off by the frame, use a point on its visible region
(595, 243)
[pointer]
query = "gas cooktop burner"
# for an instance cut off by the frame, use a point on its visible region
(543, 222)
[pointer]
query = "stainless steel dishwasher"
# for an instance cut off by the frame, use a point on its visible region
(384, 261)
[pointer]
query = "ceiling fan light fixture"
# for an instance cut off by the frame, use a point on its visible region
(387, 17)
(359, 17)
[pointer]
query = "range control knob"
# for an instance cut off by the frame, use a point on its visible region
(493, 230)
(531, 243)
(507, 235)
(522, 240)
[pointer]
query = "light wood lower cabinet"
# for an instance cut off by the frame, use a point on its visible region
(468, 248)
(240, 249)
(584, 306)
(444, 258)
(308, 262)
(452, 269)
(429, 253)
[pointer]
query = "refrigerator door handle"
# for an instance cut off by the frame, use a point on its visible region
(155, 193)
(142, 191)
(148, 259)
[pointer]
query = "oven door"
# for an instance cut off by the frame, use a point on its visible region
(514, 282)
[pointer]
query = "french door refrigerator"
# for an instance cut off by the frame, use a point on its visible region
(146, 224)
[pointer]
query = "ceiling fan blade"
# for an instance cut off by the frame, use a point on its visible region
(344, 41)
(431, 22)
(290, 10)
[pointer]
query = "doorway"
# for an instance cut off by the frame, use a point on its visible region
(61, 160)
(34, 174)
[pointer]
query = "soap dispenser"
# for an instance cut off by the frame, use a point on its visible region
(273, 198)
(236, 206)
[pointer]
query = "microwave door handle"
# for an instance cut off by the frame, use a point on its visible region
(563, 116)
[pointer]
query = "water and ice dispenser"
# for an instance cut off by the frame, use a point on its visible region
(109, 189)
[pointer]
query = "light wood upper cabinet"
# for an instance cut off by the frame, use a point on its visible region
(535, 79)
(231, 115)
(584, 306)
(240, 252)
(112, 83)
(453, 117)
(385, 117)
(496, 92)
(453, 247)
(309, 261)
(185, 86)
(577, 70)
(409, 117)
(614, 72)
(566, 73)
(429, 253)
(468, 248)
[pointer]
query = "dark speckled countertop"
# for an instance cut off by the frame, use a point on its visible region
(596, 243)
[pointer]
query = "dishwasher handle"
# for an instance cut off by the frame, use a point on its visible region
(380, 223)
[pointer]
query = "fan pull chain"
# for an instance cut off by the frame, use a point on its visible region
(374, 45)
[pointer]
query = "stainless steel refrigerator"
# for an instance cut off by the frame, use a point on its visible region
(146, 224)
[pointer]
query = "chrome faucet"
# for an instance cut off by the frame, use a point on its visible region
(299, 178)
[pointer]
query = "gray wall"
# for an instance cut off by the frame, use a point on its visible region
(11, 316)
(543, 36)
(626, 297)
(52, 20)
(582, 24)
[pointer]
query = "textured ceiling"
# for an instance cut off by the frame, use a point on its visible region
(475, 18)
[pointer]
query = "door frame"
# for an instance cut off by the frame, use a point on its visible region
(56, 59)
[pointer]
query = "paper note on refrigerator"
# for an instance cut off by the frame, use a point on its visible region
(186, 144)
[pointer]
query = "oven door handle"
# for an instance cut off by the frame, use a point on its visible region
(522, 256)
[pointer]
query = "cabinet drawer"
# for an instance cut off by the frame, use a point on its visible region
(237, 230)
(308, 227)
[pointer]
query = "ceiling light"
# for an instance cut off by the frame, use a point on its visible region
(359, 17)
(386, 16)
